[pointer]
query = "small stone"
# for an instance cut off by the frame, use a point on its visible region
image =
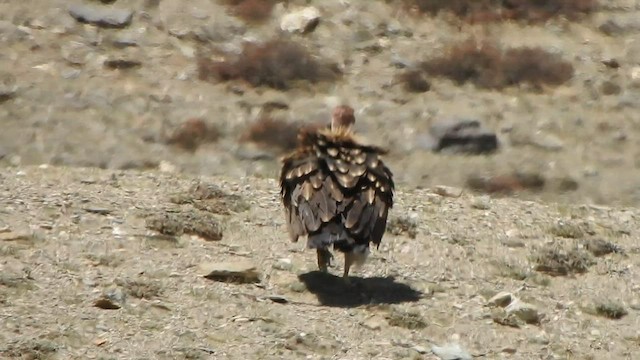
(121, 63)
(103, 16)
(112, 299)
(298, 287)
(451, 352)
(481, 202)
(302, 21)
(501, 299)
(447, 191)
(283, 264)
(526, 312)
(241, 271)
(420, 349)
(374, 323)
(548, 142)
(610, 88)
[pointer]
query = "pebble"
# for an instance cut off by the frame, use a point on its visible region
(101, 15)
(481, 202)
(374, 323)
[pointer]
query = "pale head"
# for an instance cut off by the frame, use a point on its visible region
(342, 118)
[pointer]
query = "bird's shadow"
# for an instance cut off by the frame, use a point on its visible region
(332, 291)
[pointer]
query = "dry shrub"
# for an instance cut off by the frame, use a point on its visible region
(271, 133)
(414, 81)
(479, 11)
(251, 10)
(276, 64)
(192, 133)
(487, 66)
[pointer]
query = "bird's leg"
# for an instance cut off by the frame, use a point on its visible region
(348, 261)
(324, 259)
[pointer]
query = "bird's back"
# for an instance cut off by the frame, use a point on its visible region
(336, 190)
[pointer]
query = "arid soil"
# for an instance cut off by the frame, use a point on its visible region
(101, 264)
(108, 124)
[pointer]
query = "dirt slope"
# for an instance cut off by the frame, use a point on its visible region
(71, 235)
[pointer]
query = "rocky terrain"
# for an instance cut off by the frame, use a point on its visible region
(139, 213)
(113, 264)
(148, 84)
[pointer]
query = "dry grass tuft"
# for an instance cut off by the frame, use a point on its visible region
(251, 10)
(276, 64)
(200, 223)
(414, 81)
(556, 261)
(403, 225)
(481, 11)
(30, 349)
(611, 310)
(487, 66)
(211, 198)
(141, 289)
(411, 320)
(192, 133)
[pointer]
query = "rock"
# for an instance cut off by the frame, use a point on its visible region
(525, 312)
(112, 299)
(610, 88)
(283, 264)
(302, 21)
(241, 271)
(501, 299)
(121, 63)
(374, 323)
(481, 202)
(103, 16)
(462, 136)
(76, 53)
(420, 349)
(451, 352)
(548, 142)
(447, 191)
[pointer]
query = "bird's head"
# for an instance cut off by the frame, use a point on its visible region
(342, 119)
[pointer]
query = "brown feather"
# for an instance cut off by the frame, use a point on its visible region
(332, 179)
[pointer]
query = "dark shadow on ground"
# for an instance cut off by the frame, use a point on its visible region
(332, 291)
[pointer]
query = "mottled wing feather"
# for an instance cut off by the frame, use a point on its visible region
(329, 177)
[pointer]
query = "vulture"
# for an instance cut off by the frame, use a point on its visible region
(336, 191)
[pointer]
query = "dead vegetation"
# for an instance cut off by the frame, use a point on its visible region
(196, 222)
(251, 10)
(192, 133)
(278, 64)
(530, 11)
(557, 261)
(210, 198)
(272, 133)
(29, 349)
(486, 65)
(611, 310)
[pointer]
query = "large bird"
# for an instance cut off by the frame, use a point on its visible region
(336, 191)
